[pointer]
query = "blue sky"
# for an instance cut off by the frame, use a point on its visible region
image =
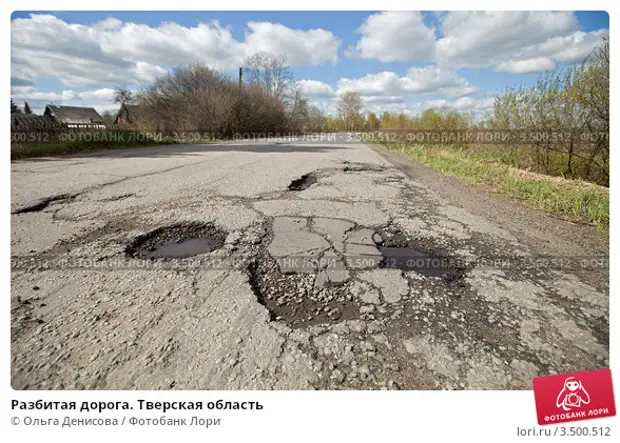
(398, 61)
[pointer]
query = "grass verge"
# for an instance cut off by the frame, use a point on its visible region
(87, 142)
(572, 199)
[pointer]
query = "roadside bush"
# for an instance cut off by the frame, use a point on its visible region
(573, 104)
(199, 99)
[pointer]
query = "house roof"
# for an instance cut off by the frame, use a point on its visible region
(32, 122)
(134, 112)
(74, 114)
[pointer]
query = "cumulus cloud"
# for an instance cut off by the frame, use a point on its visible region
(508, 41)
(475, 38)
(516, 42)
(394, 36)
(101, 99)
(112, 52)
(545, 56)
(314, 88)
(390, 87)
(527, 65)
(314, 47)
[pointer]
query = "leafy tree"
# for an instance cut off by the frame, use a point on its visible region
(27, 109)
(372, 122)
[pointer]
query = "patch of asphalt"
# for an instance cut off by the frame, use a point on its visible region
(241, 317)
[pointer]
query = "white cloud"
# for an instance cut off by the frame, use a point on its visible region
(326, 107)
(32, 94)
(428, 80)
(476, 38)
(112, 52)
(572, 48)
(394, 36)
(525, 66)
(314, 88)
(100, 99)
(517, 42)
(478, 106)
(509, 41)
(314, 47)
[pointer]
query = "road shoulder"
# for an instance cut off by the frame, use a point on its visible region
(546, 235)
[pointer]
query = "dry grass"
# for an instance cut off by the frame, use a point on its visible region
(575, 200)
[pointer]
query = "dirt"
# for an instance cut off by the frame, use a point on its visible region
(292, 299)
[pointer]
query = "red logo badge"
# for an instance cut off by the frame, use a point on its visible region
(576, 396)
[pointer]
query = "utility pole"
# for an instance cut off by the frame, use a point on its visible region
(240, 77)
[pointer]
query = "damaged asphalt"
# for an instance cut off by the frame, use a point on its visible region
(308, 265)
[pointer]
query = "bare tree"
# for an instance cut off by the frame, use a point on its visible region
(14, 108)
(298, 111)
(123, 95)
(271, 72)
(197, 99)
(317, 121)
(350, 108)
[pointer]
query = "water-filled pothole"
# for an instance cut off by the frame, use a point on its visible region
(400, 252)
(303, 182)
(177, 241)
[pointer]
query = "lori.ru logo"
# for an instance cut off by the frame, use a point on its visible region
(577, 396)
(572, 395)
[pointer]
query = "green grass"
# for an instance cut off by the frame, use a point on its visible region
(572, 199)
(93, 142)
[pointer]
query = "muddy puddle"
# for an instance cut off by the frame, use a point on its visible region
(177, 241)
(410, 259)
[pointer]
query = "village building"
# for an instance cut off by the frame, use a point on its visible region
(130, 116)
(33, 123)
(75, 116)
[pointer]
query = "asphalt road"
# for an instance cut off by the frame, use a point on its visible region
(297, 293)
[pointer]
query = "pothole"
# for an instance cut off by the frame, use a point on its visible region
(303, 182)
(177, 241)
(293, 298)
(328, 286)
(400, 252)
(43, 203)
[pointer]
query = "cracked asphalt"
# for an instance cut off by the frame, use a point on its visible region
(301, 293)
